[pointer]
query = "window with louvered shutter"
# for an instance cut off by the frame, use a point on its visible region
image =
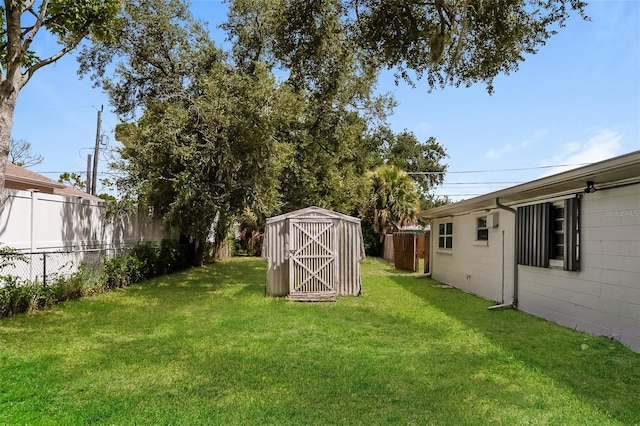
(549, 233)
(533, 228)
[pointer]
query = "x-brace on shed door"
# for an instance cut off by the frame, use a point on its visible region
(312, 260)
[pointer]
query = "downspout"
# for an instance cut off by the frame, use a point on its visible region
(514, 304)
(428, 274)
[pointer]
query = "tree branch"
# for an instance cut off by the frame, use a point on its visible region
(28, 39)
(66, 49)
(30, 10)
(29, 4)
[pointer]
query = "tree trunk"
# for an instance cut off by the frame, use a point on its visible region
(198, 254)
(8, 100)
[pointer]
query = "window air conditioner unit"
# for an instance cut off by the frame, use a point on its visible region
(492, 220)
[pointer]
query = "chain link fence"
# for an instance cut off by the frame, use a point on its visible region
(43, 266)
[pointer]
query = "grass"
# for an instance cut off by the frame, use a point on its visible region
(206, 347)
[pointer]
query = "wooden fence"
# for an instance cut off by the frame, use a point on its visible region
(408, 248)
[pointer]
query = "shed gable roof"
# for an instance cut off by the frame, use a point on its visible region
(312, 211)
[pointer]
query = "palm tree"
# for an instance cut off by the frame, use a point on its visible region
(393, 199)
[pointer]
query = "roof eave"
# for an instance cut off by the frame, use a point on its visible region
(34, 182)
(623, 168)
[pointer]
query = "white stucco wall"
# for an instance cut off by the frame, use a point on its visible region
(604, 296)
(476, 266)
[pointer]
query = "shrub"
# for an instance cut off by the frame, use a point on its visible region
(17, 296)
(121, 271)
(172, 257)
(144, 260)
(71, 287)
(147, 254)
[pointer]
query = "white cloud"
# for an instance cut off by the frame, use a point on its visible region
(499, 152)
(422, 129)
(604, 144)
(495, 153)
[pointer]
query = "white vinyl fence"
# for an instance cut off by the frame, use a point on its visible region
(55, 234)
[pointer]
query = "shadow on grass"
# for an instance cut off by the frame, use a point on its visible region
(602, 372)
(206, 346)
(249, 275)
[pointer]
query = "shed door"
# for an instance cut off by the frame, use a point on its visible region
(312, 261)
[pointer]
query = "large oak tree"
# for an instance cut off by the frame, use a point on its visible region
(448, 42)
(331, 51)
(202, 140)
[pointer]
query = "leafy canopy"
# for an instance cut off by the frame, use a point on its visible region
(448, 42)
(70, 21)
(392, 200)
(200, 160)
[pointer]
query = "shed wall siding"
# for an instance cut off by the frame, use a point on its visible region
(348, 256)
(473, 266)
(277, 254)
(604, 296)
(348, 245)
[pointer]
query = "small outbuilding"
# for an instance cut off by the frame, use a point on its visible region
(313, 254)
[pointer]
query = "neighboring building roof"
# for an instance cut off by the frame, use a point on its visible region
(624, 169)
(69, 191)
(414, 229)
(19, 178)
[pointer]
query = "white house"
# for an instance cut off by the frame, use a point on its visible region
(564, 247)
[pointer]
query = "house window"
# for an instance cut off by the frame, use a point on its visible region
(548, 234)
(445, 235)
(482, 232)
(557, 232)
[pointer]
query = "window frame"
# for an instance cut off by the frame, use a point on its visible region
(545, 230)
(482, 228)
(557, 240)
(445, 236)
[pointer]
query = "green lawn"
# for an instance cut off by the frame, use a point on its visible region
(206, 347)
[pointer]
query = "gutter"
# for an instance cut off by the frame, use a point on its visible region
(514, 304)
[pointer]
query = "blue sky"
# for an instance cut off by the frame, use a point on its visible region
(576, 101)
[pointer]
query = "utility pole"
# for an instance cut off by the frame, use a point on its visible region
(88, 191)
(96, 151)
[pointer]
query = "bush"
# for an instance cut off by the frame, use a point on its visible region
(147, 254)
(372, 245)
(76, 285)
(121, 271)
(172, 257)
(17, 296)
(145, 260)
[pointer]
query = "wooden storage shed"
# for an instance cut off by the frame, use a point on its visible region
(313, 254)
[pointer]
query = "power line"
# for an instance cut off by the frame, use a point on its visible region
(457, 195)
(81, 172)
(499, 170)
(481, 183)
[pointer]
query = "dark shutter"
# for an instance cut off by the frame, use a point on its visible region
(571, 234)
(534, 227)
